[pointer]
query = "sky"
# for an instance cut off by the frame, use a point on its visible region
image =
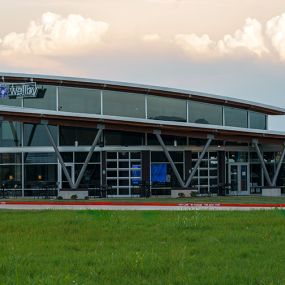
(234, 48)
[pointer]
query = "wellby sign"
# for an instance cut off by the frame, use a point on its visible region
(18, 90)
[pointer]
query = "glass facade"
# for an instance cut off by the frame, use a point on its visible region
(79, 100)
(203, 113)
(257, 121)
(123, 104)
(30, 162)
(235, 117)
(47, 101)
(166, 109)
(10, 134)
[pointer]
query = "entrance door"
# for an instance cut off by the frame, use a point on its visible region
(239, 178)
(70, 169)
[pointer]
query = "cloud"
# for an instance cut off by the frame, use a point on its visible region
(55, 35)
(275, 30)
(249, 39)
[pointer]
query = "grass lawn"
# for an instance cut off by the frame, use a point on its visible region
(101, 247)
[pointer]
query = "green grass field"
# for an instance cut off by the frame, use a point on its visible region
(100, 247)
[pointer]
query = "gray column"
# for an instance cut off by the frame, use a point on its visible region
(158, 136)
(89, 155)
(274, 181)
(197, 164)
(255, 143)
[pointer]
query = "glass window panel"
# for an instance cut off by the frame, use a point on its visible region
(257, 121)
(123, 155)
(81, 157)
(124, 191)
(203, 113)
(111, 164)
(238, 156)
(11, 175)
(123, 138)
(112, 173)
(70, 135)
(135, 155)
(34, 174)
(124, 164)
(10, 158)
(10, 101)
(123, 104)
(47, 101)
(67, 156)
(166, 109)
(91, 175)
(10, 133)
(36, 135)
(235, 117)
(203, 172)
(111, 155)
(36, 157)
(79, 100)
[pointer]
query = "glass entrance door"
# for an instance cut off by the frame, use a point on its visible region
(239, 178)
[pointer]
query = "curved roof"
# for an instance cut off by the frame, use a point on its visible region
(144, 89)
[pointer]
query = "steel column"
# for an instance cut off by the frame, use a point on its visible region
(274, 181)
(51, 139)
(255, 143)
(82, 171)
(197, 164)
(158, 136)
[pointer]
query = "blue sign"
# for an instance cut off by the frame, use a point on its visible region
(158, 172)
(4, 92)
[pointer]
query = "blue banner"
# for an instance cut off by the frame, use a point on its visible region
(158, 172)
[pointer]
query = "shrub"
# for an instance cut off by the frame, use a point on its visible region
(73, 197)
(193, 194)
(59, 198)
(181, 195)
(86, 198)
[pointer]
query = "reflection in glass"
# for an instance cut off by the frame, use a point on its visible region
(10, 133)
(203, 113)
(36, 135)
(257, 121)
(235, 117)
(123, 104)
(47, 101)
(166, 109)
(79, 100)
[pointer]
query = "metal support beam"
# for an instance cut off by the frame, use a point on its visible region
(180, 180)
(274, 181)
(82, 171)
(158, 136)
(197, 164)
(51, 139)
(255, 143)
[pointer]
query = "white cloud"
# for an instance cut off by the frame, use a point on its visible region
(275, 30)
(195, 44)
(248, 39)
(55, 34)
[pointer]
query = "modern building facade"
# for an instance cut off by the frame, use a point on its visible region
(71, 133)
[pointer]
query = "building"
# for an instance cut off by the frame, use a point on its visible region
(81, 134)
